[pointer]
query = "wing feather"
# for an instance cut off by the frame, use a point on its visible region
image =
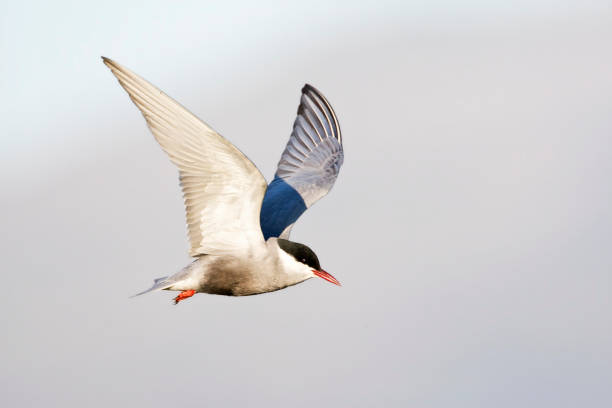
(222, 188)
(308, 167)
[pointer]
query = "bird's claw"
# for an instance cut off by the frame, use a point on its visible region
(183, 295)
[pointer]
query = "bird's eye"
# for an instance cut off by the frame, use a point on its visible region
(304, 260)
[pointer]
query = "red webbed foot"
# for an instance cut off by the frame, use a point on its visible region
(184, 295)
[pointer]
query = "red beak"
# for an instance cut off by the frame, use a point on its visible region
(328, 277)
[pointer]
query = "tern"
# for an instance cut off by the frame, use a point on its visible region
(238, 225)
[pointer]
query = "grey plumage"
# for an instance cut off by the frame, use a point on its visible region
(314, 153)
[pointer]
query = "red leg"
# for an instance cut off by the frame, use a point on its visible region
(184, 295)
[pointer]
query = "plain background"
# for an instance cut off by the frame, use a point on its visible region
(470, 225)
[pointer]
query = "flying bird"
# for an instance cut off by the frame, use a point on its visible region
(239, 226)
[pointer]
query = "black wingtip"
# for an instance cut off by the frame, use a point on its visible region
(309, 88)
(309, 91)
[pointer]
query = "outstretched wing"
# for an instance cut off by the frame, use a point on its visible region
(222, 188)
(308, 167)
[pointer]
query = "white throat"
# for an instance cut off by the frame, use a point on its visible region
(293, 271)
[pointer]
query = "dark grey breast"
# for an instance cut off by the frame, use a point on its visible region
(300, 252)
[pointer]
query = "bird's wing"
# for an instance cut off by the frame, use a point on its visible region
(308, 167)
(222, 188)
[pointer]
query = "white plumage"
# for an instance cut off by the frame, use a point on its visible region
(222, 188)
(223, 192)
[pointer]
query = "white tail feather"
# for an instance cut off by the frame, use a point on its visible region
(158, 284)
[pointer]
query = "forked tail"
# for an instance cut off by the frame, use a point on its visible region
(158, 284)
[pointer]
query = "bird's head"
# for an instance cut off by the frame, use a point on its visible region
(306, 260)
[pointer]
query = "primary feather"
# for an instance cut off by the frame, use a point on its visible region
(222, 188)
(308, 167)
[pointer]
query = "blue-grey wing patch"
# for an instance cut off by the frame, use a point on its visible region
(282, 206)
(308, 167)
